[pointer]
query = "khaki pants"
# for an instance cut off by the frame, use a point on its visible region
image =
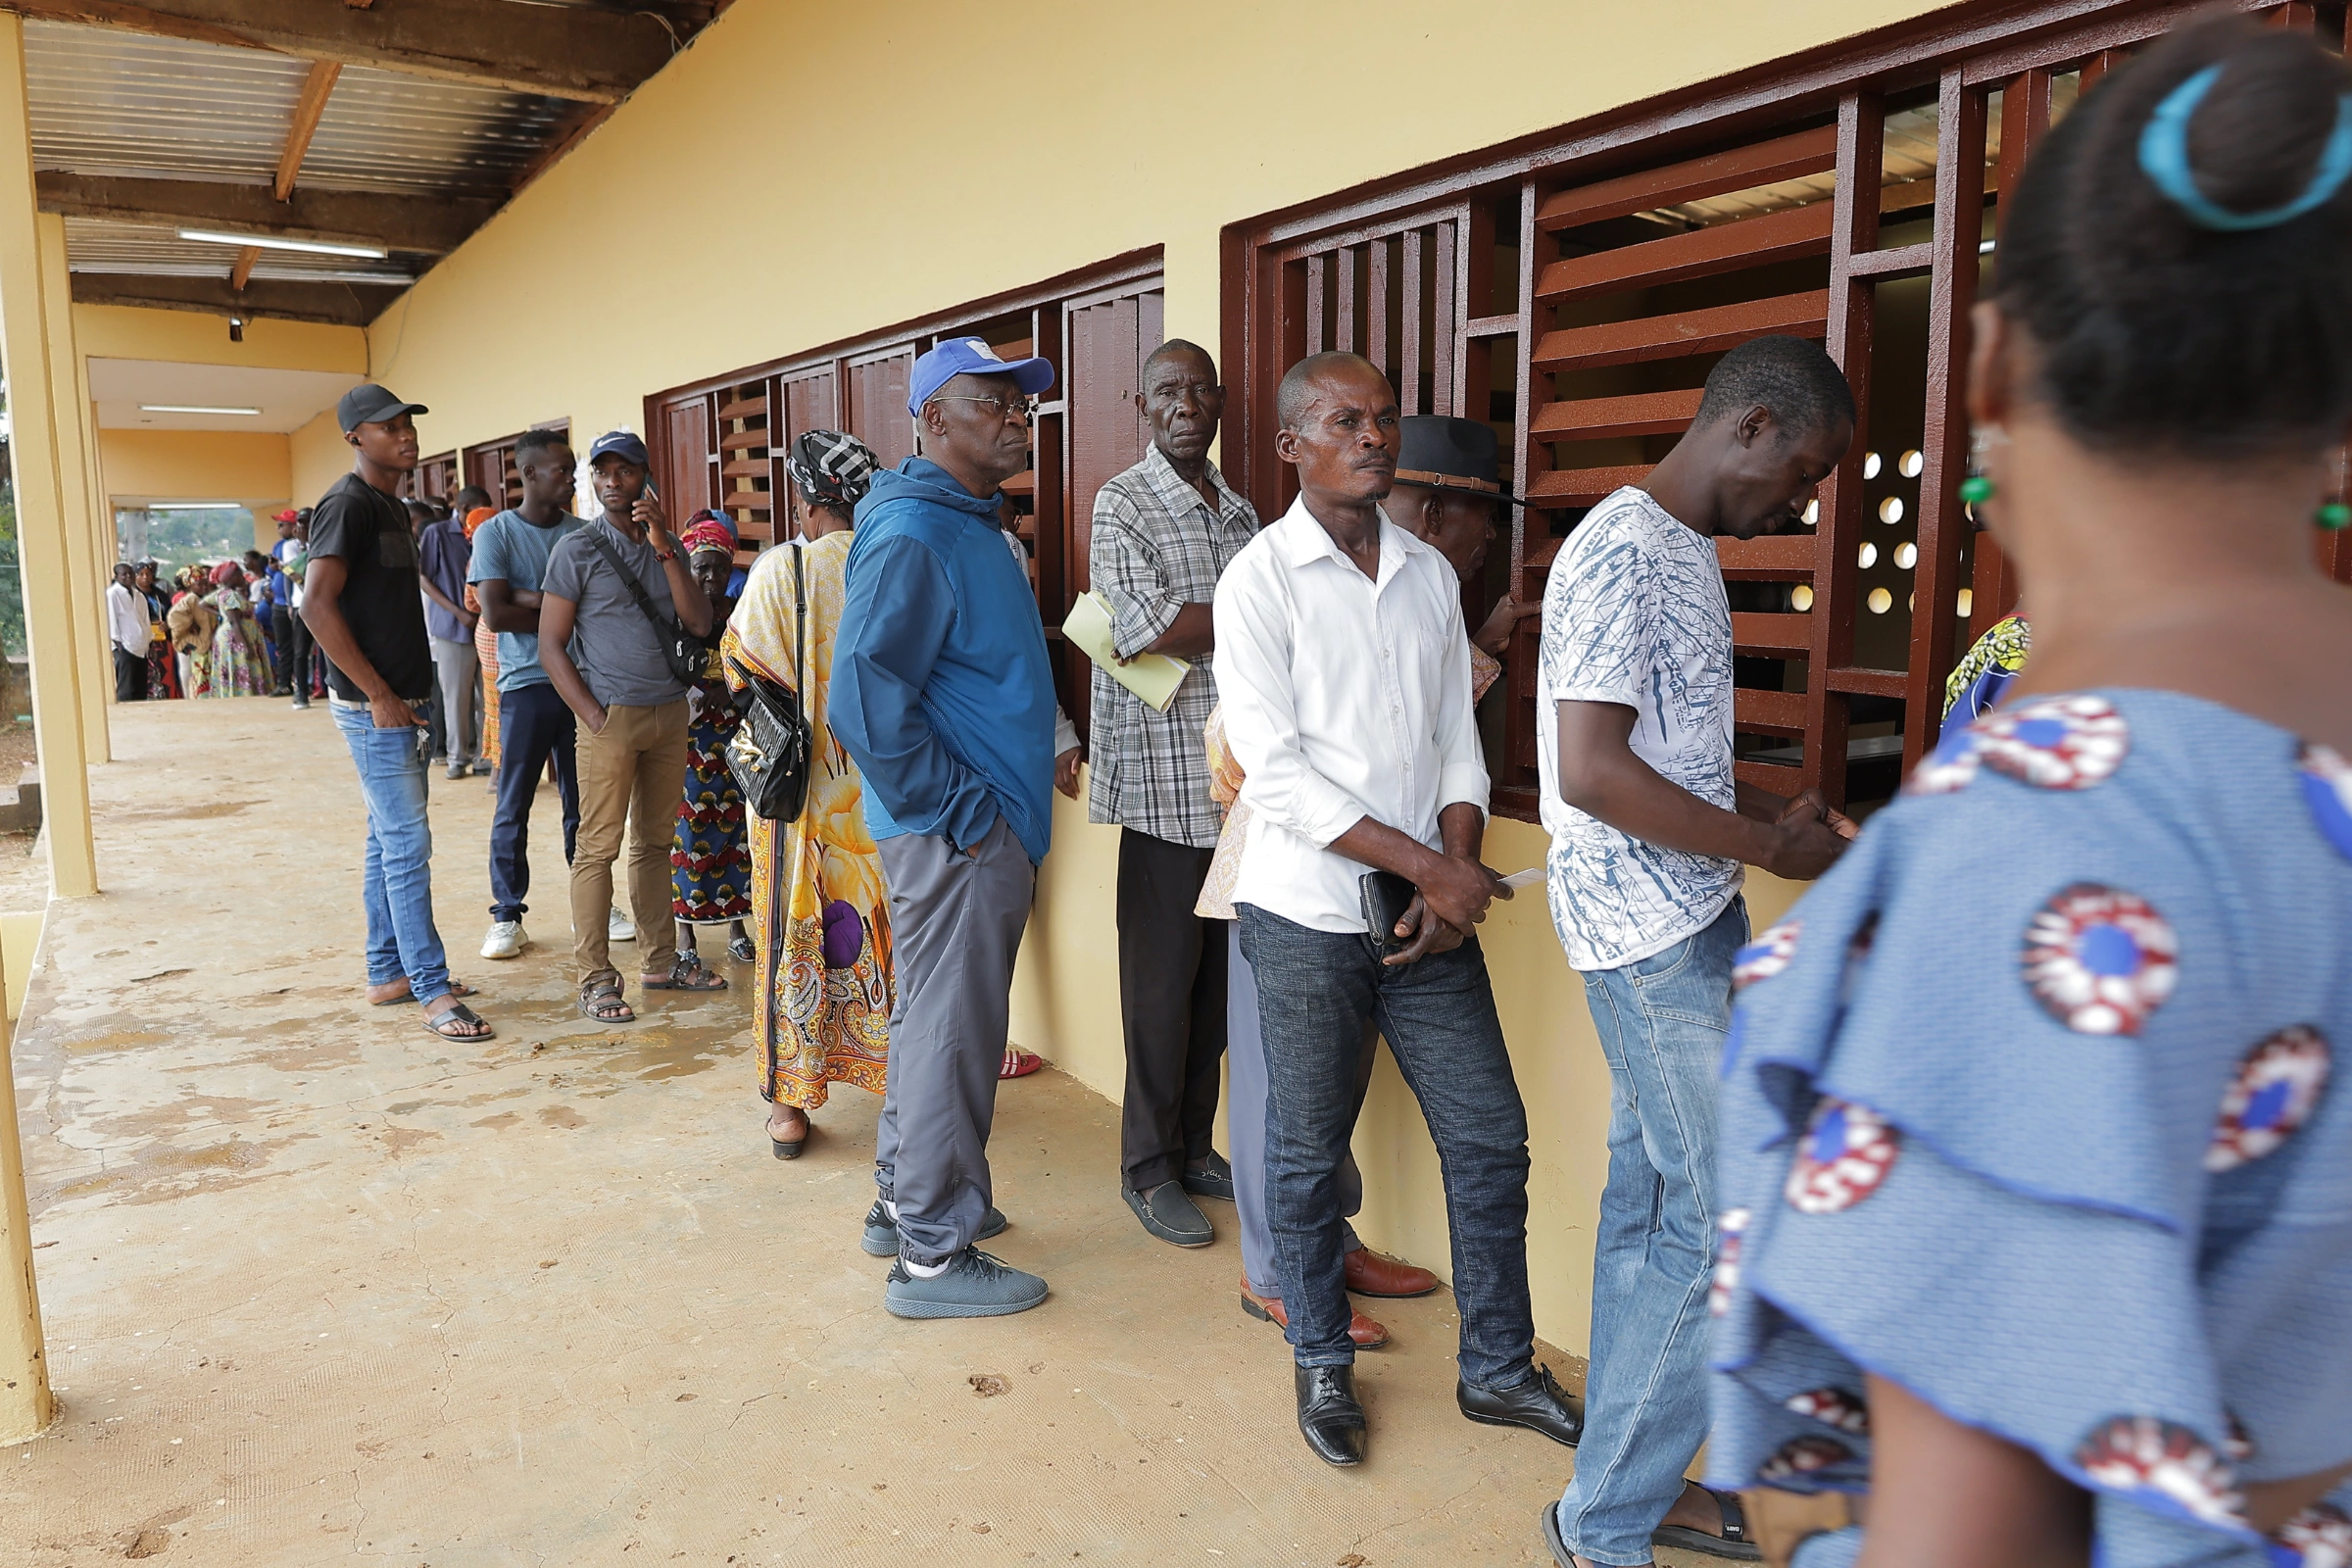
(634, 770)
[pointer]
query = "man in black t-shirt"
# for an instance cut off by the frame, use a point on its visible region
(362, 602)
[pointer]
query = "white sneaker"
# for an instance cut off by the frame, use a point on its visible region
(505, 940)
(620, 928)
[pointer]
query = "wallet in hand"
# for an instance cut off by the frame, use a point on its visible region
(1387, 896)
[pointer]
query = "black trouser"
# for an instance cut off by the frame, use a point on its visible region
(1172, 1000)
(281, 649)
(299, 660)
(533, 725)
(130, 677)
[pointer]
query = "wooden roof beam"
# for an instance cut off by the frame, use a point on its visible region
(432, 224)
(307, 109)
(335, 304)
(574, 52)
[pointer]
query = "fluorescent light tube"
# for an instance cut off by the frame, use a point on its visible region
(270, 242)
(193, 408)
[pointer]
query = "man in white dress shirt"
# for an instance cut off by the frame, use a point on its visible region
(130, 622)
(1344, 671)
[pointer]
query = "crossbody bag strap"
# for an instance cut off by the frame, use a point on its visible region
(644, 601)
(799, 628)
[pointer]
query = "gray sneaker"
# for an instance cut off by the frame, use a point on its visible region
(1169, 1213)
(881, 1237)
(975, 1285)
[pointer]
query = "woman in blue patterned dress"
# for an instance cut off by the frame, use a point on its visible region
(2037, 1111)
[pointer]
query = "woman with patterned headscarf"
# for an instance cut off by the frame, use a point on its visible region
(239, 666)
(817, 894)
(709, 871)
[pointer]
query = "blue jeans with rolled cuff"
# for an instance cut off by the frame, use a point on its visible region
(1314, 991)
(397, 878)
(1663, 1021)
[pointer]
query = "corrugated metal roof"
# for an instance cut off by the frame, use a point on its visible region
(93, 246)
(383, 131)
(107, 102)
(104, 101)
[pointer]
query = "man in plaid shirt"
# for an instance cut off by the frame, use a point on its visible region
(1165, 531)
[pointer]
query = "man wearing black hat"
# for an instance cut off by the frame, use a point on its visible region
(362, 602)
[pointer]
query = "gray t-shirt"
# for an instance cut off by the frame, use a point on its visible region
(516, 549)
(612, 641)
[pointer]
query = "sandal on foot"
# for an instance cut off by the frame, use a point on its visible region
(470, 1024)
(457, 988)
(789, 1150)
(1735, 1542)
(1019, 1063)
(603, 1002)
(687, 974)
(742, 950)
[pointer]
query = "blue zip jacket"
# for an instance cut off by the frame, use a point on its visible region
(941, 693)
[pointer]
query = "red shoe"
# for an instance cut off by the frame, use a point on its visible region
(1019, 1063)
(1371, 1274)
(1367, 1335)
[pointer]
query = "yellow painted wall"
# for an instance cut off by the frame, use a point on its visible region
(133, 333)
(319, 456)
(247, 466)
(901, 172)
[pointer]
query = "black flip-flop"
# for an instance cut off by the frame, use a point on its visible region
(1734, 1543)
(460, 1013)
(784, 1151)
(1552, 1543)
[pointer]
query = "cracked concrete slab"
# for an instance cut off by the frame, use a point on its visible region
(319, 1286)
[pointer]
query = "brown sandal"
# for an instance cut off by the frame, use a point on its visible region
(601, 1001)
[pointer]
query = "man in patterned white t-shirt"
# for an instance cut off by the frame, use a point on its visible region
(1649, 831)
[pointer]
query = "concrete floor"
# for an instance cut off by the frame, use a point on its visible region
(320, 1286)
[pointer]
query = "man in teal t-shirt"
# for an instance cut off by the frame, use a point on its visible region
(509, 562)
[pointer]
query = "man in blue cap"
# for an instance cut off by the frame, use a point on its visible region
(613, 595)
(942, 695)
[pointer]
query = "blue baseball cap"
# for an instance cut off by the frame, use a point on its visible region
(971, 356)
(621, 444)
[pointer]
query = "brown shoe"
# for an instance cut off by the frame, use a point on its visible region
(1371, 1274)
(1367, 1335)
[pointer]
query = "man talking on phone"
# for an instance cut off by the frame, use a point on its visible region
(614, 595)
(1344, 670)
(361, 601)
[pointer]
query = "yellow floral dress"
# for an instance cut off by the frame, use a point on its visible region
(818, 898)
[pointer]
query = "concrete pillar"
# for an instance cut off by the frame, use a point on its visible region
(91, 563)
(26, 1403)
(58, 637)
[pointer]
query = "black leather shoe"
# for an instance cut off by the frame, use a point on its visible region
(1539, 1405)
(1329, 1416)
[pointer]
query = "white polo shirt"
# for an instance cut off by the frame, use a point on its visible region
(1345, 697)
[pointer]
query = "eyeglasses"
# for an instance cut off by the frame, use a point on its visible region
(1021, 409)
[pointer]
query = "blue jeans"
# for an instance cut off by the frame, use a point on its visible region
(1662, 1022)
(397, 883)
(1314, 991)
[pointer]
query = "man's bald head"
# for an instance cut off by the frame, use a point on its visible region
(1301, 383)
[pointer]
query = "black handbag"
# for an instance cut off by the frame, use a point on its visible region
(687, 656)
(769, 750)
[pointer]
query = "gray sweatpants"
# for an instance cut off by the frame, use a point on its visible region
(955, 924)
(454, 665)
(1245, 1124)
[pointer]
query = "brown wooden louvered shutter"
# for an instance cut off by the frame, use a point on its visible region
(877, 405)
(749, 471)
(684, 457)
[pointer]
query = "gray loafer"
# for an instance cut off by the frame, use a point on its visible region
(1169, 1213)
(975, 1285)
(881, 1237)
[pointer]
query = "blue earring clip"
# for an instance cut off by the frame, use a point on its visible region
(2164, 157)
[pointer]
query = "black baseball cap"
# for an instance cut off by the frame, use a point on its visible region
(370, 403)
